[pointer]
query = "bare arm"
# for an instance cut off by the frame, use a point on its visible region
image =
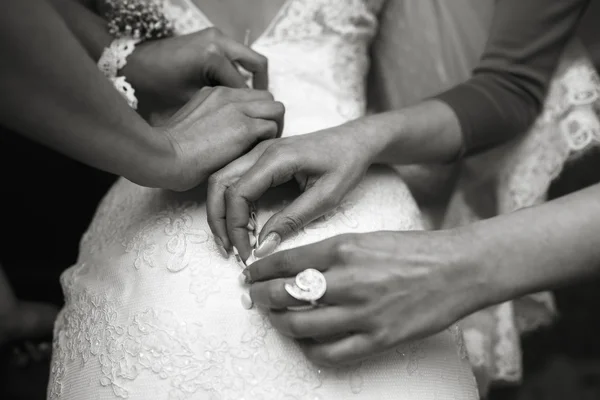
(60, 99)
(502, 98)
(54, 94)
(539, 248)
(166, 73)
(496, 104)
(89, 27)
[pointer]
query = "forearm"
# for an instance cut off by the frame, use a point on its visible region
(499, 102)
(60, 99)
(89, 27)
(427, 133)
(508, 87)
(539, 248)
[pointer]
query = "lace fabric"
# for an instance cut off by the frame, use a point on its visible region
(113, 59)
(161, 314)
(152, 310)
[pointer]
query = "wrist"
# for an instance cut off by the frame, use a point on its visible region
(470, 272)
(154, 160)
(135, 70)
(427, 133)
(490, 268)
(373, 136)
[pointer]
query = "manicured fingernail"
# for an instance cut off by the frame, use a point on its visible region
(246, 301)
(221, 248)
(252, 259)
(245, 277)
(238, 259)
(252, 238)
(268, 245)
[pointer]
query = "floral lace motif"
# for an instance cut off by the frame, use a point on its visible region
(113, 59)
(356, 23)
(136, 244)
(157, 342)
(178, 228)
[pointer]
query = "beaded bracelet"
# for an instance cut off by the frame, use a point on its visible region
(140, 19)
(130, 21)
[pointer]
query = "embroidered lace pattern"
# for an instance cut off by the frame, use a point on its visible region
(152, 310)
(113, 59)
(129, 344)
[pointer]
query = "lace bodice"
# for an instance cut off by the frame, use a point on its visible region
(152, 309)
(324, 56)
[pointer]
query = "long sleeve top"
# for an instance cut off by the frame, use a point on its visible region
(507, 89)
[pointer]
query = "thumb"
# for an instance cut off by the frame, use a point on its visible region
(33, 320)
(223, 72)
(317, 200)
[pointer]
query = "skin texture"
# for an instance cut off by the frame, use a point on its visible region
(418, 283)
(74, 110)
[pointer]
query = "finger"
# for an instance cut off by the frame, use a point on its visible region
(269, 110)
(323, 323)
(211, 99)
(288, 263)
(313, 203)
(272, 293)
(347, 350)
(222, 95)
(249, 59)
(216, 211)
(217, 185)
(267, 172)
(223, 72)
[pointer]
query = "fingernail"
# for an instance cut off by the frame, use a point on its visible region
(221, 248)
(251, 226)
(268, 245)
(252, 259)
(252, 238)
(238, 259)
(246, 301)
(245, 277)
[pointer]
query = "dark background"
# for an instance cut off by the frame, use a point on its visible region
(47, 201)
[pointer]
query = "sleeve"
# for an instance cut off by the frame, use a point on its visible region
(507, 89)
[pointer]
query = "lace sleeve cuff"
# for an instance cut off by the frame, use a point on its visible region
(113, 59)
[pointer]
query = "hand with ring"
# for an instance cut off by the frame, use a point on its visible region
(373, 291)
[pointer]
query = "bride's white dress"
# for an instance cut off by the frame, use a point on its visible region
(153, 311)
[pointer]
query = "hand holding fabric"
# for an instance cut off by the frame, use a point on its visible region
(383, 288)
(326, 164)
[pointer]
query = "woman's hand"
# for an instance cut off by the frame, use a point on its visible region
(383, 288)
(217, 126)
(168, 72)
(326, 164)
(26, 320)
(22, 320)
